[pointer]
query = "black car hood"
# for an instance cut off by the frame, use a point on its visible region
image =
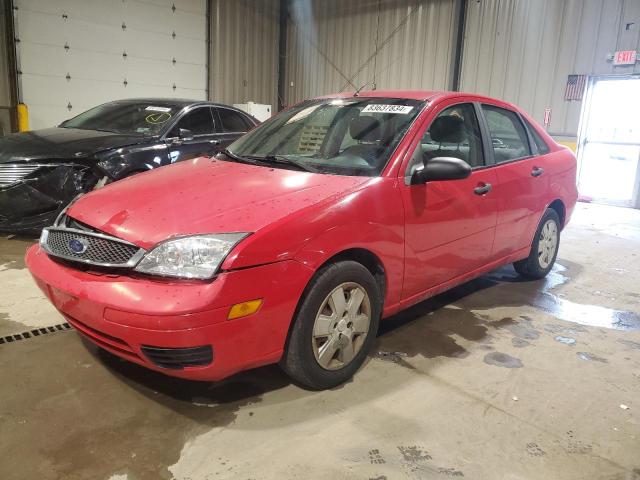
(61, 143)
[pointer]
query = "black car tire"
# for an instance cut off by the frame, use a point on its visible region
(534, 267)
(299, 360)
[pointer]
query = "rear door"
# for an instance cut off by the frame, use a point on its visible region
(230, 125)
(449, 225)
(522, 182)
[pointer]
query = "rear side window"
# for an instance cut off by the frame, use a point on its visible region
(232, 121)
(541, 145)
(508, 136)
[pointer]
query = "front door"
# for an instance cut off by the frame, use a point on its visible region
(203, 141)
(449, 225)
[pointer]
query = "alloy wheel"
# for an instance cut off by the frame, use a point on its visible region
(548, 243)
(341, 326)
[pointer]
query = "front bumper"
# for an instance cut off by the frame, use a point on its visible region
(125, 315)
(32, 204)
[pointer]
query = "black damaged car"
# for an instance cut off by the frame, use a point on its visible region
(41, 171)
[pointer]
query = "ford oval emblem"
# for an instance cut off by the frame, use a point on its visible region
(77, 246)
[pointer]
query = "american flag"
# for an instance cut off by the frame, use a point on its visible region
(575, 87)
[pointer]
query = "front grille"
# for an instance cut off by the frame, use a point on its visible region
(11, 173)
(179, 358)
(91, 248)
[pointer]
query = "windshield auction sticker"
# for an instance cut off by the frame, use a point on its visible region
(158, 109)
(402, 109)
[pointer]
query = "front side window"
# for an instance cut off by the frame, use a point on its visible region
(349, 136)
(455, 132)
(198, 122)
(508, 136)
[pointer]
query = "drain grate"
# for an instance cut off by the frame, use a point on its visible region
(36, 332)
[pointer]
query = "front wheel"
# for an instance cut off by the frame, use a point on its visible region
(544, 248)
(335, 326)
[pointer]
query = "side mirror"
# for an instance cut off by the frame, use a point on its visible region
(185, 134)
(179, 135)
(441, 168)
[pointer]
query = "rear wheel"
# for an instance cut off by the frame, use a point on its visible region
(544, 248)
(335, 326)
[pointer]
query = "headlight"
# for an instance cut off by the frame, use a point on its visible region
(198, 256)
(44, 235)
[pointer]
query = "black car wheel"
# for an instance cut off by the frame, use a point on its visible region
(334, 327)
(544, 248)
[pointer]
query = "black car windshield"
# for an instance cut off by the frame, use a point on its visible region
(125, 117)
(346, 136)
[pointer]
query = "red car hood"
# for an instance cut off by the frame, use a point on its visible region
(203, 196)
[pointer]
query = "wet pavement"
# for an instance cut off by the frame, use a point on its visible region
(498, 378)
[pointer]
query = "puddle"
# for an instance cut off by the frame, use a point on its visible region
(519, 342)
(523, 332)
(630, 344)
(565, 340)
(539, 295)
(572, 330)
(12, 253)
(589, 357)
(500, 359)
(589, 315)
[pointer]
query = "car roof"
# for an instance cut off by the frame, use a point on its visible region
(411, 95)
(176, 102)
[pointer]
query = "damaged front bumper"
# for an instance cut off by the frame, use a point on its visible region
(33, 202)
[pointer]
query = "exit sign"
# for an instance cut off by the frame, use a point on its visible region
(625, 57)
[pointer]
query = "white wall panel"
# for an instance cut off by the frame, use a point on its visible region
(98, 34)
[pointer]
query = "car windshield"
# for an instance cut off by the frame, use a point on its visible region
(125, 117)
(351, 136)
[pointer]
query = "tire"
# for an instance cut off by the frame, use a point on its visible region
(317, 355)
(544, 248)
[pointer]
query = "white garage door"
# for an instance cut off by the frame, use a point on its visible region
(75, 54)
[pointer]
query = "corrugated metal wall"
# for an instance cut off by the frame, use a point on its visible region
(331, 45)
(5, 71)
(244, 51)
(522, 51)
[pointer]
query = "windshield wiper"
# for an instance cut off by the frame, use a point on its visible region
(237, 158)
(285, 161)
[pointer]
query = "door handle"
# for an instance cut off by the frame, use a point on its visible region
(215, 142)
(482, 189)
(537, 171)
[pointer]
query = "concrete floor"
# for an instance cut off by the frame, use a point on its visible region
(497, 379)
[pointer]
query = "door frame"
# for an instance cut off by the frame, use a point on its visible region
(585, 112)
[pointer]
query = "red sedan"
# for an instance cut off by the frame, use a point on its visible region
(296, 241)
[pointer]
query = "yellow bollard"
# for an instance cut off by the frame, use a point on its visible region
(23, 117)
(567, 143)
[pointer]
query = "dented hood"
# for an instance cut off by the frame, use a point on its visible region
(203, 196)
(61, 143)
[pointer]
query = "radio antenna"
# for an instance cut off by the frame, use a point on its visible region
(357, 92)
